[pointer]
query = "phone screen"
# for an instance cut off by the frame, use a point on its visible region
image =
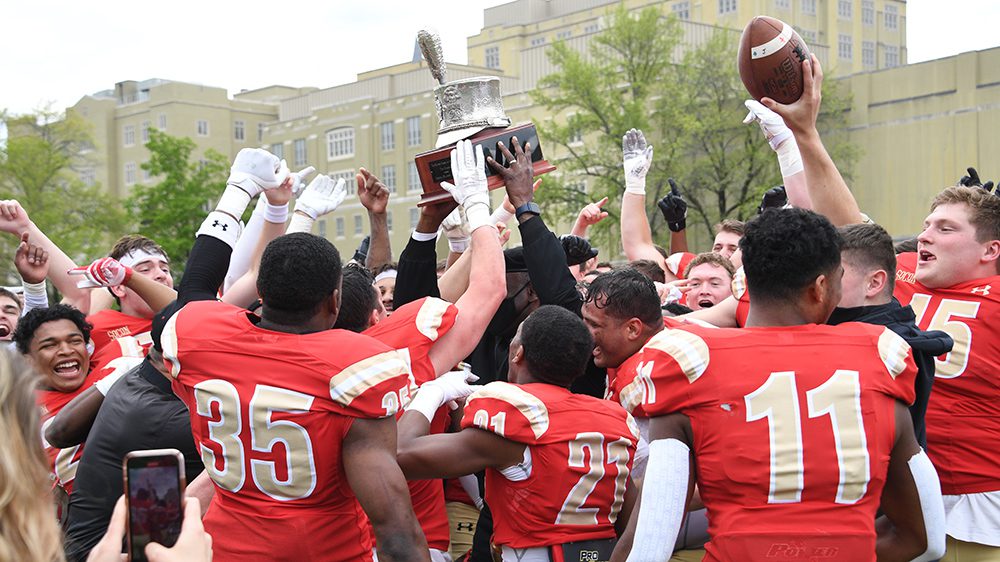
(154, 502)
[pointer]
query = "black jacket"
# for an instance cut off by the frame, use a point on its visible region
(926, 346)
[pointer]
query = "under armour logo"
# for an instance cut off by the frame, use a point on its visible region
(224, 226)
(984, 290)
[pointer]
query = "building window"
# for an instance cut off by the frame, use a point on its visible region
(537, 41)
(340, 227)
(128, 135)
(239, 130)
(808, 35)
(412, 177)
(340, 143)
(682, 10)
(388, 220)
(575, 137)
(845, 9)
(868, 54)
(388, 135)
(202, 127)
(389, 177)
(809, 7)
(162, 122)
(413, 131)
(349, 180)
(260, 132)
(358, 229)
(844, 46)
(727, 6)
(868, 12)
(414, 217)
(144, 129)
(492, 57)
(88, 176)
(278, 150)
(564, 35)
(783, 4)
(129, 173)
(891, 17)
(592, 28)
(891, 56)
(300, 152)
(146, 175)
(322, 229)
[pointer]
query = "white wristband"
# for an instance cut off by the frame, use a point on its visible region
(664, 495)
(276, 214)
(111, 378)
(635, 185)
(234, 201)
(459, 245)
(424, 236)
(427, 401)
(34, 296)
(501, 214)
(789, 158)
(301, 222)
(221, 225)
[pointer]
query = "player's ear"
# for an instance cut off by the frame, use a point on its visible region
(875, 282)
(374, 318)
(633, 328)
(118, 291)
(334, 302)
(991, 251)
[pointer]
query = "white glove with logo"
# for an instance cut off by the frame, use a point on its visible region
(456, 229)
(468, 168)
(451, 386)
(256, 169)
(778, 135)
(103, 272)
(637, 158)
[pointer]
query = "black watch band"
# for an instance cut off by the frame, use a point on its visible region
(529, 207)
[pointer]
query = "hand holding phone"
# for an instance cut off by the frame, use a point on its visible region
(154, 488)
(193, 545)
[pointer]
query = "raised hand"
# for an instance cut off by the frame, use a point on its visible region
(637, 157)
(456, 229)
(771, 124)
(801, 115)
(374, 195)
(298, 179)
(577, 249)
(674, 208)
(774, 198)
(13, 218)
(468, 170)
(321, 196)
(519, 174)
(103, 272)
(255, 170)
(453, 385)
(31, 261)
(593, 213)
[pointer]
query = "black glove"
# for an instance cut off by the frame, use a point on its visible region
(773, 198)
(361, 254)
(674, 208)
(971, 180)
(578, 249)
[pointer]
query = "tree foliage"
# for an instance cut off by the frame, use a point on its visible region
(689, 103)
(40, 164)
(171, 210)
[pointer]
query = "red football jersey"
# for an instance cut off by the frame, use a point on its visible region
(270, 411)
(117, 335)
(963, 427)
(581, 450)
(742, 296)
(63, 462)
(412, 330)
(792, 431)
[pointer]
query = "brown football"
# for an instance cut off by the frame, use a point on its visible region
(770, 60)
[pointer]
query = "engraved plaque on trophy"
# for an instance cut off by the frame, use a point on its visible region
(434, 166)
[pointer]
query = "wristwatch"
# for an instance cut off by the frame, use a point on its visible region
(529, 207)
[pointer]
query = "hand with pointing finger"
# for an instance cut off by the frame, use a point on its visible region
(674, 208)
(593, 213)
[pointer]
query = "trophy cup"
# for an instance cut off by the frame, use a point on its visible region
(472, 109)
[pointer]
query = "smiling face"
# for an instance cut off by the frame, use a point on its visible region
(947, 250)
(710, 284)
(10, 311)
(58, 351)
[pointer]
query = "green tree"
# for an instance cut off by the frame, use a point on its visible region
(40, 165)
(689, 104)
(171, 210)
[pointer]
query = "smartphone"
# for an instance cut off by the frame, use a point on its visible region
(154, 494)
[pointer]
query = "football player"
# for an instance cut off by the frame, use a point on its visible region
(799, 432)
(557, 463)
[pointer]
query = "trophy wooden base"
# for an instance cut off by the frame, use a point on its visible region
(434, 167)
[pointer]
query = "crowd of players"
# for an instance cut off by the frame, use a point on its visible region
(638, 411)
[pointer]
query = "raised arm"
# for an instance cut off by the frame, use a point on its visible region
(109, 272)
(637, 239)
(590, 214)
(416, 271)
(827, 189)
(779, 137)
(487, 286)
(374, 195)
(32, 263)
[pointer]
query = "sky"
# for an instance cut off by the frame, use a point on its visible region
(60, 50)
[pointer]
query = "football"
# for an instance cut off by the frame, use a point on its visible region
(770, 60)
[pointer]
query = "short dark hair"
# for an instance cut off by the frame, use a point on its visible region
(731, 225)
(869, 246)
(784, 250)
(298, 272)
(908, 245)
(557, 345)
(4, 292)
(625, 293)
(359, 298)
(650, 269)
(30, 322)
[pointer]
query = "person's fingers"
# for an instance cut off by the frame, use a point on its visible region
(817, 69)
(454, 163)
(506, 153)
(495, 166)
(602, 202)
(480, 159)
(360, 179)
(604, 215)
(538, 182)
(526, 152)
(192, 516)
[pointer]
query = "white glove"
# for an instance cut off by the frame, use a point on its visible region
(104, 272)
(778, 135)
(637, 158)
(456, 229)
(449, 387)
(321, 196)
(255, 170)
(468, 168)
(299, 179)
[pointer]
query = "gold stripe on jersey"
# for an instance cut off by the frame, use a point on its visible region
(431, 316)
(168, 341)
(739, 284)
(688, 350)
(529, 405)
(632, 425)
(354, 380)
(893, 351)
